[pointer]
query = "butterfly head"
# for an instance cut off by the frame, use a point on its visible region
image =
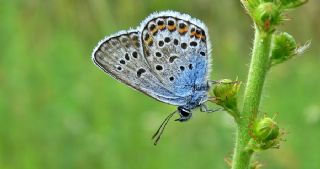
(185, 114)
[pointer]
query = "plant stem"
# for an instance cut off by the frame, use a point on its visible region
(257, 72)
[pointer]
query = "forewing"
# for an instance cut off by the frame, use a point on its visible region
(121, 57)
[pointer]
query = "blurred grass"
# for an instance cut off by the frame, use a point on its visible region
(57, 110)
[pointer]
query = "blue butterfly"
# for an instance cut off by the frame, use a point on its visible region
(167, 57)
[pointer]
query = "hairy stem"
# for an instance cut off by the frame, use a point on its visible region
(257, 72)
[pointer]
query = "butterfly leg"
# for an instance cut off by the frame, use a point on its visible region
(204, 108)
(214, 81)
(220, 82)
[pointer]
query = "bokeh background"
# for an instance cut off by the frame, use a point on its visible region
(59, 111)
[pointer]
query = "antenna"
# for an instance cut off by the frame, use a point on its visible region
(160, 130)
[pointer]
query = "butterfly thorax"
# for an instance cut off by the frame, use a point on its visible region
(198, 97)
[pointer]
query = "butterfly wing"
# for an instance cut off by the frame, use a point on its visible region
(176, 47)
(121, 57)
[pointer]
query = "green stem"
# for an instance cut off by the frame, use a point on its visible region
(257, 72)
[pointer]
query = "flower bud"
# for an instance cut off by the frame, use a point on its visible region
(226, 95)
(283, 48)
(226, 89)
(267, 16)
(266, 130)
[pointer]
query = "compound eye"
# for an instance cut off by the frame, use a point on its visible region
(184, 112)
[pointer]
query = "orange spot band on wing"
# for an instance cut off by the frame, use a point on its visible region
(203, 37)
(171, 27)
(161, 27)
(193, 33)
(154, 30)
(183, 30)
(198, 35)
(149, 40)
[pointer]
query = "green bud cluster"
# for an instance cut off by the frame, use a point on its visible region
(226, 89)
(267, 14)
(266, 129)
(283, 48)
(265, 134)
(226, 92)
(271, 47)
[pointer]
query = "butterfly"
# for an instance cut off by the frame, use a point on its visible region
(167, 57)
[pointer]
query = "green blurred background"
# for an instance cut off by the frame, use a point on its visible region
(58, 110)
